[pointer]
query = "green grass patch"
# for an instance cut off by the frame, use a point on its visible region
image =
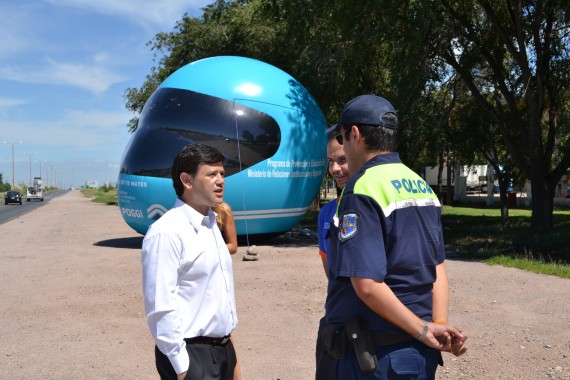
(103, 195)
(532, 264)
(476, 234)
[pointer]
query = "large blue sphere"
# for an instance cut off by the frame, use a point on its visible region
(269, 128)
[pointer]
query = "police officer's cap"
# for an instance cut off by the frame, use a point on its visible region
(369, 110)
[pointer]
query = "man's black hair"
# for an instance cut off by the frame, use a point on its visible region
(377, 138)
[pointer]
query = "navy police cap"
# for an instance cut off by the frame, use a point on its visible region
(368, 110)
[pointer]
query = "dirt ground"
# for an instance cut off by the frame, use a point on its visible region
(71, 306)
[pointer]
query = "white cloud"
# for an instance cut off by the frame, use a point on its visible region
(90, 129)
(103, 58)
(15, 31)
(162, 13)
(81, 145)
(89, 77)
(101, 120)
(75, 130)
(11, 102)
(24, 24)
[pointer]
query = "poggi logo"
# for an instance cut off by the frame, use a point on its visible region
(133, 213)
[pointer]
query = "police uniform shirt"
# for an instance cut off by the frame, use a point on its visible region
(388, 229)
(324, 220)
(187, 281)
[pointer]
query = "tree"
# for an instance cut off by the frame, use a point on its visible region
(514, 58)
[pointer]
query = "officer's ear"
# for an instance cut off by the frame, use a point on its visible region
(356, 135)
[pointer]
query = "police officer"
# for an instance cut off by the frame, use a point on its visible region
(388, 287)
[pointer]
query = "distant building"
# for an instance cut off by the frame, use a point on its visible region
(475, 176)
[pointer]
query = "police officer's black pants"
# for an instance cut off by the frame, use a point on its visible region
(207, 362)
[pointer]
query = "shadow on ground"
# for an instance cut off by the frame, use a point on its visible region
(134, 242)
(297, 237)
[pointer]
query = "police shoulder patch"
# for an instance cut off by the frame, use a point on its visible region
(349, 226)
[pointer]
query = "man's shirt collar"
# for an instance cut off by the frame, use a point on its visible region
(195, 218)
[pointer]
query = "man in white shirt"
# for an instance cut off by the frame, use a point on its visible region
(187, 275)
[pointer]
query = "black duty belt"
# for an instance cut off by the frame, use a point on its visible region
(387, 340)
(207, 340)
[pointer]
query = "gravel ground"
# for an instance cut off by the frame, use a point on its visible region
(71, 305)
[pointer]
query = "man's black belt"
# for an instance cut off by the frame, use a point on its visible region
(207, 340)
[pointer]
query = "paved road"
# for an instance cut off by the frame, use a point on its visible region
(13, 210)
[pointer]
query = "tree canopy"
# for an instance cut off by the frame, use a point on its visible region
(469, 79)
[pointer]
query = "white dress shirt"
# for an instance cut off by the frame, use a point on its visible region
(187, 281)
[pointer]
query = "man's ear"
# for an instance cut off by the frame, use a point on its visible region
(357, 135)
(186, 179)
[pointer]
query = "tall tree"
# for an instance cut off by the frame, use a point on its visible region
(513, 56)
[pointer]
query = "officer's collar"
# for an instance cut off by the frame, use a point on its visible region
(384, 158)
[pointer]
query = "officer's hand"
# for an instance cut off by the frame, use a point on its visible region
(444, 337)
(458, 346)
(182, 375)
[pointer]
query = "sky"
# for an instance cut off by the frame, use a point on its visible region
(64, 69)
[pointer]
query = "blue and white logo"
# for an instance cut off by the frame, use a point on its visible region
(349, 226)
(155, 211)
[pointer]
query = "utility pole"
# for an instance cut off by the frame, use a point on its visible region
(30, 155)
(12, 143)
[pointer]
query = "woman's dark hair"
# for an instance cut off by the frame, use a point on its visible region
(188, 161)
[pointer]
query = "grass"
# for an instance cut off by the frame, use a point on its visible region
(532, 264)
(476, 234)
(103, 195)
